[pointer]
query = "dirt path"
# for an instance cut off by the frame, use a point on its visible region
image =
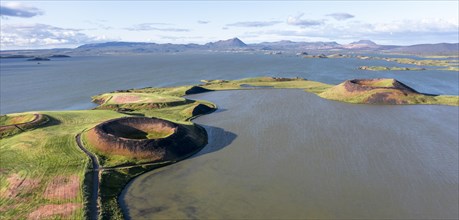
(93, 208)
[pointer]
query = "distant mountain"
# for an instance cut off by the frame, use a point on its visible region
(142, 47)
(439, 49)
(237, 45)
(362, 44)
(230, 43)
(113, 44)
(365, 42)
(296, 46)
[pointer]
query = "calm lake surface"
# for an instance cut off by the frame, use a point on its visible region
(288, 154)
(68, 83)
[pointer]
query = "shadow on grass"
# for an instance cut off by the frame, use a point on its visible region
(51, 122)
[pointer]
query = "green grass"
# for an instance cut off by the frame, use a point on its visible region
(41, 155)
(393, 68)
(419, 62)
(12, 119)
(124, 97)
(339, 93)
(295, 83)
(448, 64)
(382, 83)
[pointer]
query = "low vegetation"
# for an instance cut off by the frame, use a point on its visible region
(445, 62)
(42, 170)
(392, 68)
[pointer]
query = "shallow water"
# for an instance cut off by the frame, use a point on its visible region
(287, 154)
(68, 83)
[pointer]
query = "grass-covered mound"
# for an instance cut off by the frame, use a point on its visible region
(382, 91)
(16, 123)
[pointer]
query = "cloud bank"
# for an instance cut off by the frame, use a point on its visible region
(299, 21)
(154, 27)
(254, 24)
(42, 35)
(14, 9)
(341, 16)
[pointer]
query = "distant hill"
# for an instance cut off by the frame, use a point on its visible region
(235, 44)
(230, 43)
(365, 42)
(440, 49)
(297, 46)
(113, 44)
(362, 44)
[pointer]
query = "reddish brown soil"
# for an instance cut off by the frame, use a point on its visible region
(63, 187)
(126, 99)
(18, 185)
(385, 98)
(62, 210)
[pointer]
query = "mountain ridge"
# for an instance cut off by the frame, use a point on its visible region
(236, 44)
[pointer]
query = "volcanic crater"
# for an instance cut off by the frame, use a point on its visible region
(147, 138)
(373, 91)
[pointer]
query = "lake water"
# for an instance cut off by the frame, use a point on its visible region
(288, 154)
(68, 83)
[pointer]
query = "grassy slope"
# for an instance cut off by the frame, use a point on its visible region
(339, 93)
(16, 119)
(117, 98)
(42, 154)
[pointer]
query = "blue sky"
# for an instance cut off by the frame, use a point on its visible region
(50, 24)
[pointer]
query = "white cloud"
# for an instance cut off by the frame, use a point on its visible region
(341, 16)
(154, 27)
(298, 21)
(402, 32)
(254, 23)
(42, 36)
(16, 9)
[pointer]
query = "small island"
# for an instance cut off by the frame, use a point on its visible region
(393, 68)
(39, 59)
(59, 56)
